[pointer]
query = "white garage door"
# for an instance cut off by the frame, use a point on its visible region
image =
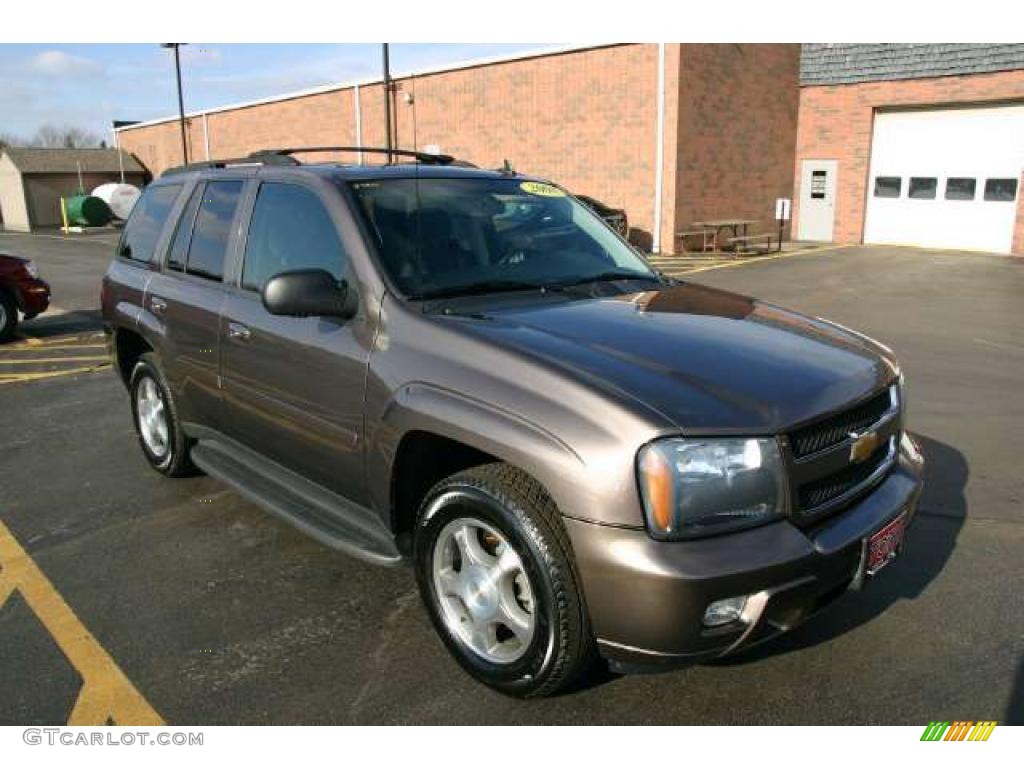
(946, 178)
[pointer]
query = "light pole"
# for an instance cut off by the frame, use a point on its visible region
(181, 101)
(387, 99)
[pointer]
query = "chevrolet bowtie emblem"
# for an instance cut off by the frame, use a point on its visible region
(864, 444)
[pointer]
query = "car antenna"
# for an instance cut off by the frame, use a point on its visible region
(506, 167)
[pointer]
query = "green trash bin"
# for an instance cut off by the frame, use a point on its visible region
(88, 211)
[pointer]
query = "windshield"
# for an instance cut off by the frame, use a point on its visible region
(449, 237)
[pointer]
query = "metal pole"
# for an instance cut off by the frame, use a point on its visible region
(181, 101)
(359, 122)
(659, 150)
(387, 101)
(120, 157)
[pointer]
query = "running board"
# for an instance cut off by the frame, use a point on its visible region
(329, 518)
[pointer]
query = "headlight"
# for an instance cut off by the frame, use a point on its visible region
(31, 268)
(698, 486)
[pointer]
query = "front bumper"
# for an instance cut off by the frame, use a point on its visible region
(33, 297)
(647, 598)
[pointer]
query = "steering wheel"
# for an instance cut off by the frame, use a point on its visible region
(515, 251)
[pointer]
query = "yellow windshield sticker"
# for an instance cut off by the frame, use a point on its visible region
(539, 188)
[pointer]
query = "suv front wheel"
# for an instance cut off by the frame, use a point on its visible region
(161, 436)
(495, 569)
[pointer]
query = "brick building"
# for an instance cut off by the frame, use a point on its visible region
(588, 117)
(917, 144)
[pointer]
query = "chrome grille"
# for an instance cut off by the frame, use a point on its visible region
(820, 492)
(835, 429)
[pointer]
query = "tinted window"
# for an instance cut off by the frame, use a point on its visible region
(290, 229)
(923, 188)
(146, 221)
(960, 188)
(213, 229)
(888, 186)
(1001, 190)
(183, 233)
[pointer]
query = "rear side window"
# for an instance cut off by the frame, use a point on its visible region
(212, 229)
(147, 221)
(290, 229)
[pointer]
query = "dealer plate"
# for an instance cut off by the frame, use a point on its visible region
(884, 545)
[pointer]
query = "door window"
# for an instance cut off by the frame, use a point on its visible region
(212, 229)
(290, 230)
(818, 185)
(183, 233)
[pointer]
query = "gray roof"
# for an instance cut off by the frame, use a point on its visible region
(837, 63)
(37, 160)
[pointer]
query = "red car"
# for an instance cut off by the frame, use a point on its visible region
(21, 290)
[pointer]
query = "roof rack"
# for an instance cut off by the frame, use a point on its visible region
(284, 157)
(233, 163)
(422, 157)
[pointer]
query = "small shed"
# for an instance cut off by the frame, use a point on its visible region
(32, 181)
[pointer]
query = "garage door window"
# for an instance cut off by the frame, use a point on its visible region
(888, 186)
(960, 188)
(1001, 190)
(923, 187)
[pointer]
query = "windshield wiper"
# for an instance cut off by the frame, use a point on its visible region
(604, 277)
(498, 286)
(484, 286)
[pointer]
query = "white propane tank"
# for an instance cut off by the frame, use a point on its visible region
(120, 197)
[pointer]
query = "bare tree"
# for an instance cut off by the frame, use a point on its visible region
(65, 137)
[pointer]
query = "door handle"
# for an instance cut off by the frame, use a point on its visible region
(157, 304)
(238, 331)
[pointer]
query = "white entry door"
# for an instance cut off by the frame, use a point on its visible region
(946, 178)
(817, 200)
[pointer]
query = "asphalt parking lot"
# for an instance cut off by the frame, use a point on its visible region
(134, 598)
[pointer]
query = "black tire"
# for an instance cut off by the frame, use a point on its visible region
(175, 460)
(562, 648)
(8, 316)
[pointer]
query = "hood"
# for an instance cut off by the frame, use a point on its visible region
(704, 359)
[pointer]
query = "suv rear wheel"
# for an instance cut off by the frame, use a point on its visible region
(161, 436)
(495, 570)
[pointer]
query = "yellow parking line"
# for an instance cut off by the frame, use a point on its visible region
(47, 347)
(106, 693)
(69, 359)
(758, 259)
(14, 378)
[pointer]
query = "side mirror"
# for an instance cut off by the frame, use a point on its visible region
(308, 293)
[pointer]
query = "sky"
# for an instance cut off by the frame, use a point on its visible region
(88, 86)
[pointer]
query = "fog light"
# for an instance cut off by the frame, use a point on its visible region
(724, 611)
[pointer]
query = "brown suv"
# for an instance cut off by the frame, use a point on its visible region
(469, 370)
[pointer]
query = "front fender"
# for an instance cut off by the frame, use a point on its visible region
(421, 407)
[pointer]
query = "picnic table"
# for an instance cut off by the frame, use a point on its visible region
(719, 224)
